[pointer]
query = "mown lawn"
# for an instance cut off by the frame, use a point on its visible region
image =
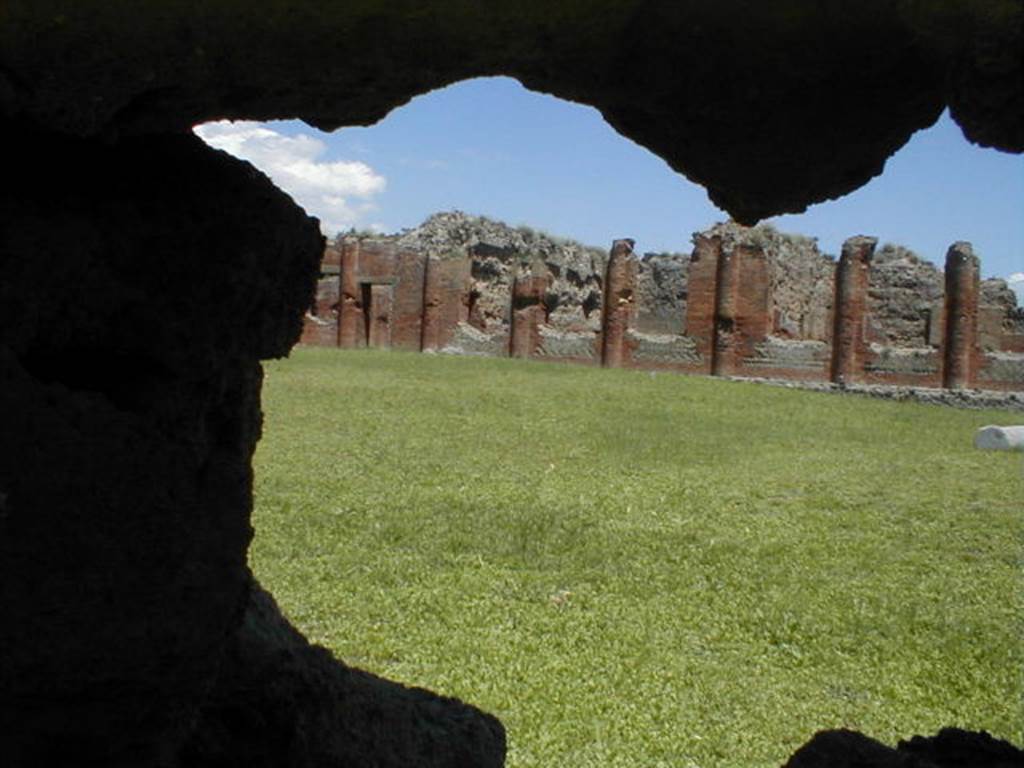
(637, 570)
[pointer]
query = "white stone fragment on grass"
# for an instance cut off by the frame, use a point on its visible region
(994, 438)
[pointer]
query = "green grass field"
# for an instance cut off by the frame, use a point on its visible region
(637, 570)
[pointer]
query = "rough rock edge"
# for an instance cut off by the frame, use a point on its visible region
(140, 283)
(134, 307)
(816, 79)
(949, 748)
(502, 253)
(280, 701)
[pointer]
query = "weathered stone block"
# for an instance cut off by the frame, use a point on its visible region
(466, 339)
(140, 283)
(790, 356)
(998, 438)
(1002, 370)
(581, 346)
(663, 349)
(903, 364)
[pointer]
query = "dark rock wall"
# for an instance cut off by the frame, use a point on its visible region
(143, 276)
(134, 307)
(771, 106)
(949, 748)
(279, 701)
(140, 285)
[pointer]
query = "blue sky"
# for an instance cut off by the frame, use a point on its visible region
(491, 147)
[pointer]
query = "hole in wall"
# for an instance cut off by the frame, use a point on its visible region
(366, 294)
(373, 173)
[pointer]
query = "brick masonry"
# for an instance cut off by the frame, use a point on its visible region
(702, 299)
(849, 347)
(960, 344)
(379, 293)
(527, 315)
(619, 305)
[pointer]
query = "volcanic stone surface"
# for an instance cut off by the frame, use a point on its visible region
(949, 748)
(140, 284)
(904, 290)
(134, 306)
(143, 276)
(771, 106)
(280, 701)
(501, 253)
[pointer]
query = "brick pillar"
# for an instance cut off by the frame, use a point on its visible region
(379, 331)
(960, 340)
(351, 333)
(725, 351)
(752, 299)
(430, 332)
(407, 301)
(619, 302)
(701, 290)
(527, 314)
(849, 307)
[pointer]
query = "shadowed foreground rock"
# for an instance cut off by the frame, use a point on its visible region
(281, 702)
(770, 105)
(140, 284)
(134, 307)
(949, 748)
(144, 276)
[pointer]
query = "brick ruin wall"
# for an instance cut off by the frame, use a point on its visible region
(745, 302)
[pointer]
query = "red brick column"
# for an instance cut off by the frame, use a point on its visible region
(725, 351)
(379, 331)
(351, 333)
(849, 306)
(702, 283)
(751, 296)
(446, 283)
(527, 313)
(960, 340)
(430, 332)
(619, 301)
(407, 301)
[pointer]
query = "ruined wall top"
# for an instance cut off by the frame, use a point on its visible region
(905, 291)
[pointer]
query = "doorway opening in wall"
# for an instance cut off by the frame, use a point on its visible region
(366, 289)
(620, 565)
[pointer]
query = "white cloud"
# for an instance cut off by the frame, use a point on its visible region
(339, 193)
(1016, 282)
